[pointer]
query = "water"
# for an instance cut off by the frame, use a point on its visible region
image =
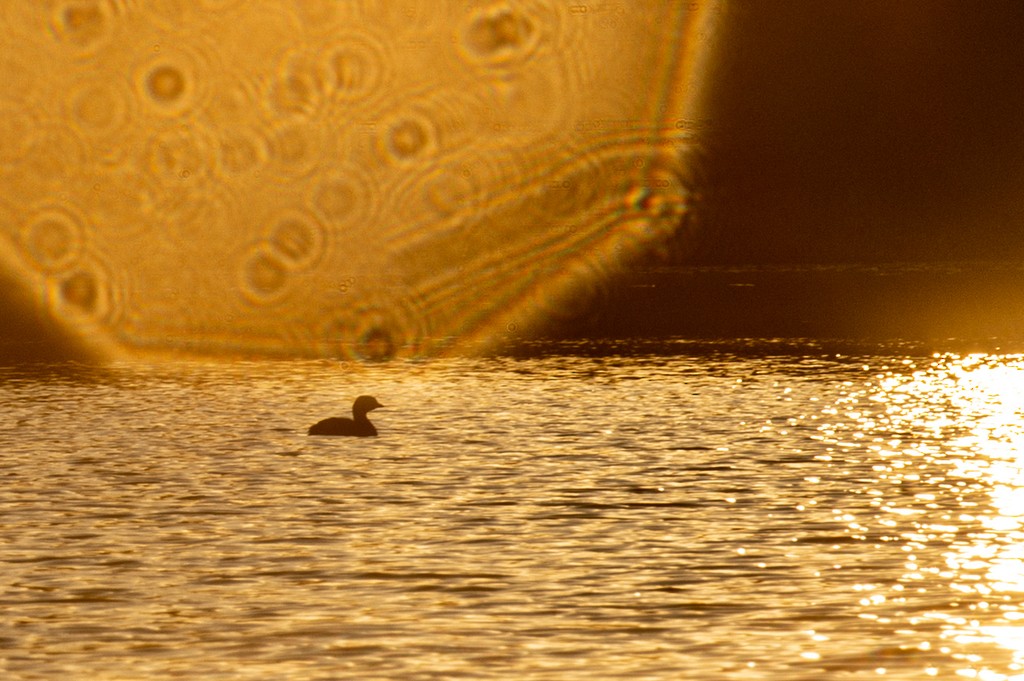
(637, 514)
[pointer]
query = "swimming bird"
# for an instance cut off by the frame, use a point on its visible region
(358, 425)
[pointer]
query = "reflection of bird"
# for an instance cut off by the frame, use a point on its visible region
(358, 425)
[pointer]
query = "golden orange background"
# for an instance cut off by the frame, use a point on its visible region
(322, 178)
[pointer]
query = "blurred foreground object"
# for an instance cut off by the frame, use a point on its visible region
(363, 179)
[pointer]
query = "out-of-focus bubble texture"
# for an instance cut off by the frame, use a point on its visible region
(365, 178)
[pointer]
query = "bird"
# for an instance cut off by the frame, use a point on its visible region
(358, 425)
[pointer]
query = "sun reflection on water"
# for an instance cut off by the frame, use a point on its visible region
(950, 490)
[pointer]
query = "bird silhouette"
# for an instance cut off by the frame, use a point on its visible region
(358, 425)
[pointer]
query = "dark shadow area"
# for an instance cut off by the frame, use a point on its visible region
(863, 174)
(28, 334)
(963, 306)
(867, 131)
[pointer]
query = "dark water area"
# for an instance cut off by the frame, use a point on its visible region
(978, 304)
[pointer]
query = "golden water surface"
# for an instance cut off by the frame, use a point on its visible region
(631, 515)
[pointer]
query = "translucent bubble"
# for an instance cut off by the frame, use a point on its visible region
(103, 112)
(408, 138)
(453, 189)
(264, 276)
(356, 66)
(166, 84)
(491, 178)
(169, 83)
(500, 31)
(53, 239)
(375, 345)
(179, 153)
(87, 293)
(235, 104)
(345, 198)
(336, 199)
(297, 240)
(499, 35)
(81, 290)
(84, 25)
(298, 148)
(241, 151)
(299, 86)
(376, 327)
(98, 105)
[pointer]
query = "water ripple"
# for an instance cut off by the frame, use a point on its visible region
(656, 516)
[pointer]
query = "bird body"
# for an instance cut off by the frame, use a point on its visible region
(357, 426)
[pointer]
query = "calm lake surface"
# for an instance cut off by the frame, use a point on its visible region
(632, 514)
